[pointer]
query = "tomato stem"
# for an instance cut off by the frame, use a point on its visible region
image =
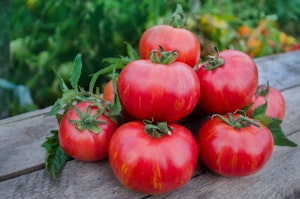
(157, 129)
(240, 122)
(213, 62)
(263, 90)
(87, 121)
(166, 57)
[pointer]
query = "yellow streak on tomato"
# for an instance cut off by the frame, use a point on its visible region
(253, 165)
(116, 153)
(233, 162)
(218, 162)
(179, 103)
(124, 168)
(126, 90)
(157, 184)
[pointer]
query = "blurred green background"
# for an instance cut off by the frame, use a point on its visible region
(47, 34)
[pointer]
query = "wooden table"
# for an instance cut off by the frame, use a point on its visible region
(22, 173)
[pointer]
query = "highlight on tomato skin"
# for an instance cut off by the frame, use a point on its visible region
(153, 165)
(234, 152)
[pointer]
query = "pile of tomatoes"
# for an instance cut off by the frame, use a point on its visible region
(149, 149)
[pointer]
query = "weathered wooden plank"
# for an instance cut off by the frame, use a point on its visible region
(17, 118)
(280, 178)
(281, 70)
(292, 117)
(20, 144)
(77, 180)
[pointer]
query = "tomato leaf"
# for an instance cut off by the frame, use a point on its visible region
(55, 156)
(260, 114)
(273, 124)
(279, 137)
(115, 107)
(133, 55)
(62, 84)
(55, 108)
(76, 71)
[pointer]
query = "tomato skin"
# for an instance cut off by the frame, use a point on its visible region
(276, 104)
(85, 145)
(171, 38)
(233, 152)
(108, 91)
(229, 87)
(157, 91)
(152, 165)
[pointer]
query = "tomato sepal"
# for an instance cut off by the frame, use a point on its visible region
(87, 121)
(274, 125)
(157, 129)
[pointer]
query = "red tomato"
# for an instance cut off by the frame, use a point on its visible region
(230, 86)
(231, 151)
(152, 165)
(276, 103)
(84, 144)
(156, 91)
(171, 38)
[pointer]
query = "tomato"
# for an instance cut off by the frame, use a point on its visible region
(152, 164)
(230, 85)
(171, 38)
(276, 103)
(234, 151)
(108, 91)
(158, 91)
(83, 143)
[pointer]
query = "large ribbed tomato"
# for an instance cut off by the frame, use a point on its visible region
(163, 92)
(153, 161)
(228, 82)
(235, 149)
(171, 38)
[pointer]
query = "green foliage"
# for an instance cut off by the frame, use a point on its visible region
(47, 34)
(55, 157)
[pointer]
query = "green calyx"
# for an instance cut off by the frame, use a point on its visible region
(240, 122)
(87, 121)
(157, 129)
(213, 62)
(166, 57)
(263, 90)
